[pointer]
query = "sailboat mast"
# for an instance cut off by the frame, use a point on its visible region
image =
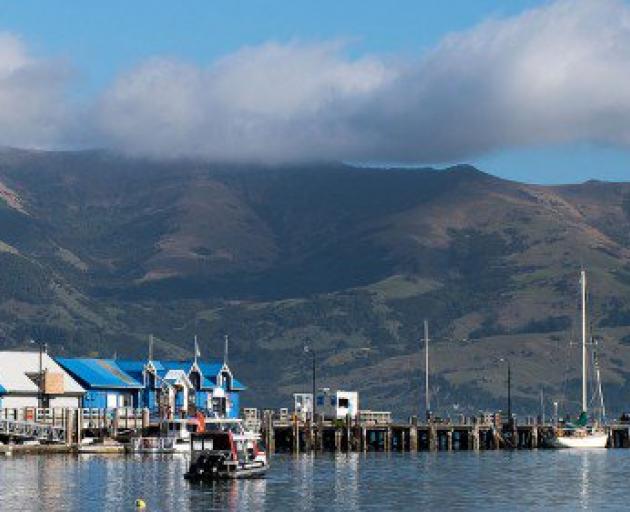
(584, 335)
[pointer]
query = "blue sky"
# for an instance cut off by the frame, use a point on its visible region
(102, 38)
(100, 41)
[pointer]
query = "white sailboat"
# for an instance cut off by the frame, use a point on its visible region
(581, 435)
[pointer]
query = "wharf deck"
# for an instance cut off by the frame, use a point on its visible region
(298, 436)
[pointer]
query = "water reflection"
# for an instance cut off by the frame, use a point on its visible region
(562, 480)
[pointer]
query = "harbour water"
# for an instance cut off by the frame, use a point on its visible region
(494, 480)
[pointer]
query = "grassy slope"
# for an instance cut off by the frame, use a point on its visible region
(104, 250)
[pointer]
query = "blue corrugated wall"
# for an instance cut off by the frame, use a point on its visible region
(236, 404)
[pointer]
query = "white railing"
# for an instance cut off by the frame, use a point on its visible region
(375, 417)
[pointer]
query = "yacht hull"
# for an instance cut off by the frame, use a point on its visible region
(588, 441)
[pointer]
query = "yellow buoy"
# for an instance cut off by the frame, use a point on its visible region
(140, 504)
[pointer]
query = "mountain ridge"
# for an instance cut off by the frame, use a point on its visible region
(107, 249)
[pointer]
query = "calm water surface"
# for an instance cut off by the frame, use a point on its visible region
(528, 480)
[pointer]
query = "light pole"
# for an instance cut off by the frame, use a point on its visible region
(509, 388)
(43, 349)
(310, 350)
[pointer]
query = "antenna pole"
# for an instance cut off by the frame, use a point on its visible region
(150, 347)
(225, 353)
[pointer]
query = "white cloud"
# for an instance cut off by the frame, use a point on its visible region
(552, 75)
(33, 109)
(272, 102)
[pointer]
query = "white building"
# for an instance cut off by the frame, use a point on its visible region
(303, 405)
(337, 405)
(20, 387)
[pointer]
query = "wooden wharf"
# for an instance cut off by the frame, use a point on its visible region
(294, 435)
(62, 430)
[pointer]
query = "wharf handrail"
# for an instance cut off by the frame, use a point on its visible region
(32, 430)
(374, 417)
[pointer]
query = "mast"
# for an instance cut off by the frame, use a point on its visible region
(427, 404)
(584, 334)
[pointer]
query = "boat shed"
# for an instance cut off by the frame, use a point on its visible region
(34, 379)
(107, 385)
(183, 387)
(216, 389)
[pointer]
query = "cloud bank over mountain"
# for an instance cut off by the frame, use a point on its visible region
(552, 75)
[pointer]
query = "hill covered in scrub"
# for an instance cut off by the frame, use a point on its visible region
(99, 250)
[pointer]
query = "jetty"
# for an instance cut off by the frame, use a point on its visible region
(65, 430)
(375, 431)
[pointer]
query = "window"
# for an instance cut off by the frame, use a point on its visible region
(320, 400)
(195, 380)
(112, 400)
(226, 379)
(333, 401)
(344, 402)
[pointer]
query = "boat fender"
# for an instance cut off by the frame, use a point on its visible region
(140, 504)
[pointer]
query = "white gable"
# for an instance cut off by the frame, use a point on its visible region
(15, 367)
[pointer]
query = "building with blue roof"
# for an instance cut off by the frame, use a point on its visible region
(107, 385)
(166, 388)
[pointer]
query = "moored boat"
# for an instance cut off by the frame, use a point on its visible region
(226, 453)
(582, 434)
(152, 445)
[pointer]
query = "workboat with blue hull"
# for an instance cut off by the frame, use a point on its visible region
(225, 453)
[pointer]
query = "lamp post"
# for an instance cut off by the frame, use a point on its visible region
(509, 388)
(43, 349)
(310, 350)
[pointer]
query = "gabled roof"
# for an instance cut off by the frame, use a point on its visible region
(174, 377)
(237, 385)
(15, 368)
(99, 373)
(210, 369)
(135, 369)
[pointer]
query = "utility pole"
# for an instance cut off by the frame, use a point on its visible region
(427, 403)
(509, 392)
(309, 349)
(509, 388)
(43, 348)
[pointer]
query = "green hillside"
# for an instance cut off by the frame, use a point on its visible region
(98, 250)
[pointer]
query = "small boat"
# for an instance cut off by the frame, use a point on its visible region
(226, 453)
(175, 438)
(581, 434)
(179, 430)
(102, 447)
(152, 445)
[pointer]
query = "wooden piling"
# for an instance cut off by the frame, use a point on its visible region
(432, 438)
(296, 437)
(413, 434)
(145, 418)
(70, 425)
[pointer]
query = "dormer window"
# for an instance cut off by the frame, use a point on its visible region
(150, 379)
(226, 379)
(195, 380)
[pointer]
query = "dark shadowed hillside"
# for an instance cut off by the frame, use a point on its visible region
(98, 250)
